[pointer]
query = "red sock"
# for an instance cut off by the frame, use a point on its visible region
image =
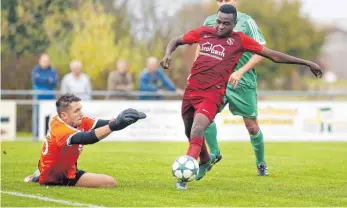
(195, 147)
(204, 155)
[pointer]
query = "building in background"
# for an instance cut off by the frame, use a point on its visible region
(334, 52)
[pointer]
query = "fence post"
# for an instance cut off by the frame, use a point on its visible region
(35, 118)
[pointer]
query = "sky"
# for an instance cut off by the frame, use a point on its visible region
(320, 11)
(327, 11)
(332, 12)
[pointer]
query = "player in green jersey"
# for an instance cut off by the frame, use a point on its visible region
(241, 92)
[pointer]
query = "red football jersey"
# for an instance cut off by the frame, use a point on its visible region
(218, 56)
(58, 157)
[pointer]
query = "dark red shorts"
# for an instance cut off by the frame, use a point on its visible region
(198, 101)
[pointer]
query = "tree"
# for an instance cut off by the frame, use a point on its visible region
(93, 41)
(286, 30)
(58, 27)
(96, 36)
(24, 37)
(21, 25)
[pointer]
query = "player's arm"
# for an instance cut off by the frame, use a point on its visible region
(252, 46)
(124, 119)
(254, 32)
(101, 123)
(279, 57)
(90, 137)
(191, 37)
(251, 29)
(236, 76)
(254, 61)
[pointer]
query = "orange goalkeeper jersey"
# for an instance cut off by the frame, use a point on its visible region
(58, 157)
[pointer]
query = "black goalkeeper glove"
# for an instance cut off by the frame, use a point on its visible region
(125, 118)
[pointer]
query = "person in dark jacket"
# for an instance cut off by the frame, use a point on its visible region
(153, 79)
(44, 77)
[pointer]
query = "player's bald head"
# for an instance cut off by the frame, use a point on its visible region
(122, 66)
(152, 63)
(223, 2)
(64, 102)
(44, 61)
(152, 60)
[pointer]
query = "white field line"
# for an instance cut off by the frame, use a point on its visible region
(65, 202)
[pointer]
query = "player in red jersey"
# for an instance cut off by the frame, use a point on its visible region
(220, 50)
(67, 131)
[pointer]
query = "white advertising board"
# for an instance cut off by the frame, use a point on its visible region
(8, 120)
(290, 121)
(163, 122)
(279, 120)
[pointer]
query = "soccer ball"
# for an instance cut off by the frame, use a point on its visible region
(185, 168)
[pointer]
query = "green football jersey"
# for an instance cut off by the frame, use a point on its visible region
(246, 25)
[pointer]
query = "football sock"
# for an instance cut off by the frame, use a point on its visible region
(204, 155)
(195, 145)
(211, 138)
(258, 146)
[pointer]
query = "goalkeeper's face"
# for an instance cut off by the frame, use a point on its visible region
(73, 114)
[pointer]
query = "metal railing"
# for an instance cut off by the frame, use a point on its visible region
(94, 93)
(33, 101)
(173, 94)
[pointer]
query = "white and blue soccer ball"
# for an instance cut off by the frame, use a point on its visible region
(185, 168)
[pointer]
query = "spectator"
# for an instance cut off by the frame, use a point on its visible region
(76, 82)
(44, 77)
(120, 80)
(153, 79)
(3, 131)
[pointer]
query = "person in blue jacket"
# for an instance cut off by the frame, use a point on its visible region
(153, 79)
(44, 77)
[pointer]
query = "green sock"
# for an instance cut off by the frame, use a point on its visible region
(258, 146)
(211, 138)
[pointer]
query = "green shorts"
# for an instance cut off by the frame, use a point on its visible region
(242, 101)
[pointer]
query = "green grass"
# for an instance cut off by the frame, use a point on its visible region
(312, 82)
(24, 134)
(307, 174)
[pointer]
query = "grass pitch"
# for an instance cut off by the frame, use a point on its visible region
(302, 174)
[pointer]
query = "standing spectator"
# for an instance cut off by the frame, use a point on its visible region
(76, 82)
(153, 79)
(44, 78)
(120, 80)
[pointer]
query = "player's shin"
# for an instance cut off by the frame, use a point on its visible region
(211, 138)
(257, 141)
(195, 145)
(204, 155)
